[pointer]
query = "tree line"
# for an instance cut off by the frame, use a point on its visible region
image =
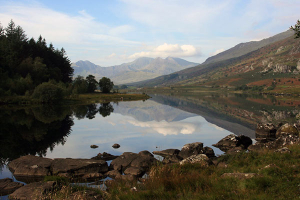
(32, 68)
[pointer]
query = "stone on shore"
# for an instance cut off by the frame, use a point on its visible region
(191, 149)
(104, 156)
(167, 152)
(287, 129)
(201, 159)
(33, 191)
(78, 167)
(7, 186)
(30, 166)
(231, 141)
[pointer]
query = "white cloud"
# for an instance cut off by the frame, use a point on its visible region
(166, 50)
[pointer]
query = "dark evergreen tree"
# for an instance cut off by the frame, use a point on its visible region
(92, 83)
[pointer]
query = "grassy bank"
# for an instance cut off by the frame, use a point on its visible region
(277, 177)
(77, 99)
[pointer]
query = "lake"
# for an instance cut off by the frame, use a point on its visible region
(162, 122)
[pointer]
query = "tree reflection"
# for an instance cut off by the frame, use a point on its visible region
(32, 131)
(105, 109)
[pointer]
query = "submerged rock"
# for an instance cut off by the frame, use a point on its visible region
(104, 156)
(7, 186)
(93, 146)
(116, 146)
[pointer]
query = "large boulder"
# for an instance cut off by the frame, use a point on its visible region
(231, 141)
(167, 152)
(123, 161)
(30, 166)
(287, 129)
(143, 160)
(201, 159)
(78, 167)
(191, 149)
(209, 152)
(265, 131)
(7, 186)
(33, 191)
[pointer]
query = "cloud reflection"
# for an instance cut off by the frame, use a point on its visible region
(166, 128)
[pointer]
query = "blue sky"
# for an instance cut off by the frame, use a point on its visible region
(111, 32)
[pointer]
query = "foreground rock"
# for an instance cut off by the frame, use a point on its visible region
(285, 135)
(32, 166)
(175, 155)
(33, 191)
(133, 164)
(201, 159)
(7, 186)
(231, 141)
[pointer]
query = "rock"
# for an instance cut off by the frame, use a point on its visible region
(283, 150)
(172, 159)
(86, 195)
(7, 186)
(287, 129)
(257, 147)
(33, 190)
(265, 131)
(114, 174)
(142, 160)
(123, 161)
(235, 150)
(209, 152)
(231, 141)
(269, 166)
(128, 177)
(167, 152)
(104, 156)
(135, 171)
(191, 149)
(116, 146)
(94, 146)
(201, 159)
(30, 166)
(78, 167)
(92, 176)
(239, 175)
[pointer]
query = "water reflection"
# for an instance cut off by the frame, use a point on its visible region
(32, 131)
(165, 121)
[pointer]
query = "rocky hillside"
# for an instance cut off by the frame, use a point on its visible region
(277, 61)
(138, 70)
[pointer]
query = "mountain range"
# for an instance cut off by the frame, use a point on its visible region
(246, 63)
(140, 69)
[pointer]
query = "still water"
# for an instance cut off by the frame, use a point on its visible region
(159, 123)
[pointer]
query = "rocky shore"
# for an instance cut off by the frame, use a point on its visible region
(133, 166)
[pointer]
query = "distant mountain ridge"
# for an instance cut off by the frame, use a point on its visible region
(140, 69)
(278, 54)
(244, 48)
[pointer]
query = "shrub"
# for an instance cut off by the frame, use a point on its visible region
(48, 92)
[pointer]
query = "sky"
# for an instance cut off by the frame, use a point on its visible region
(112, 32)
